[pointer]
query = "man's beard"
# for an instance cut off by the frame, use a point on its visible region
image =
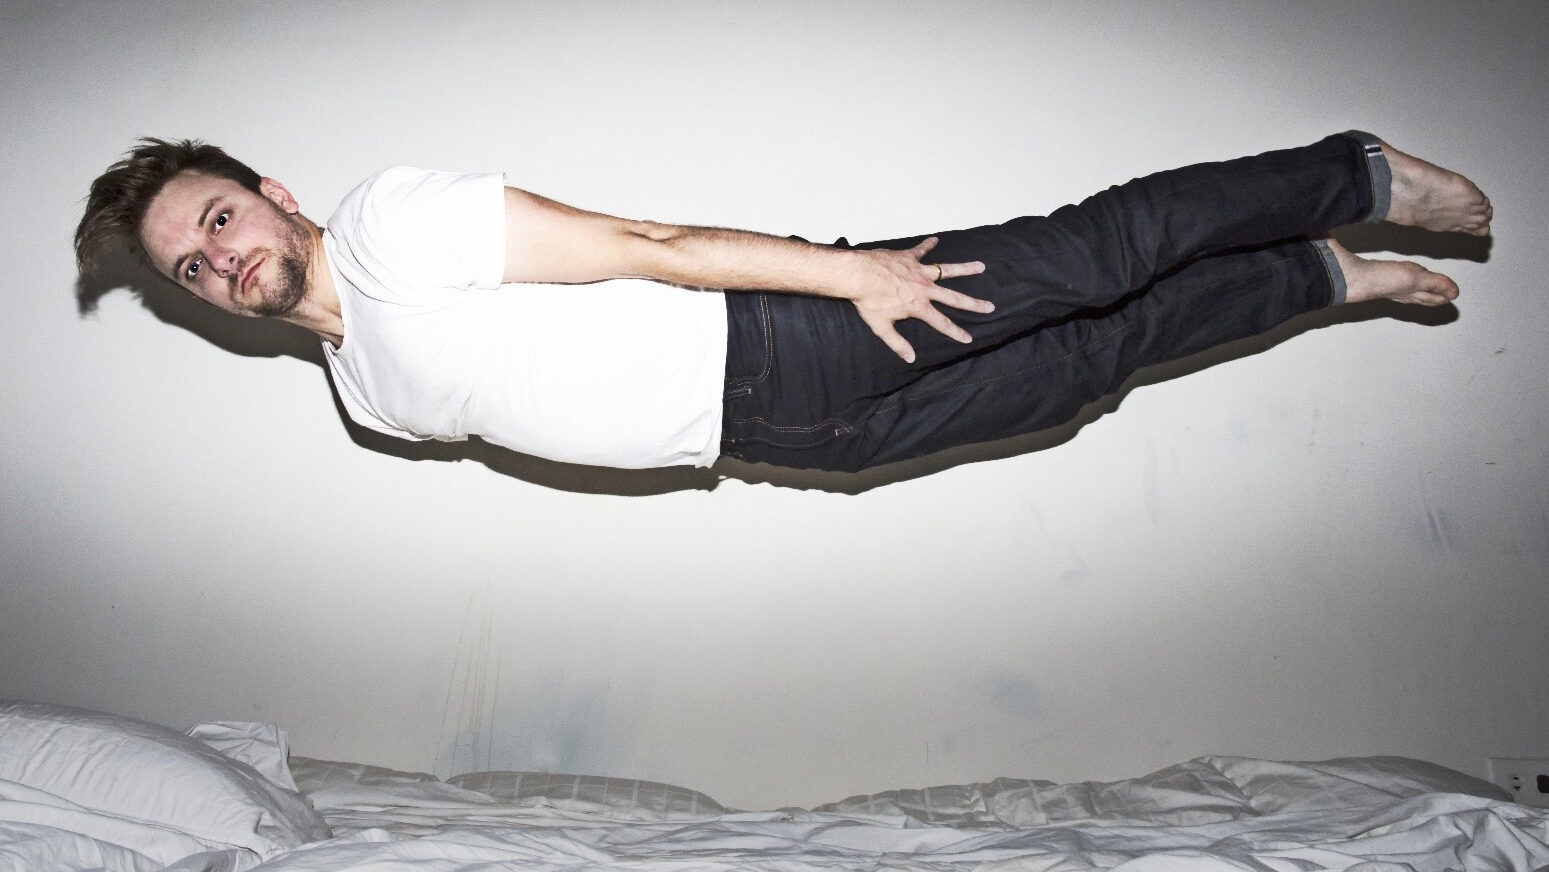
(290, 286)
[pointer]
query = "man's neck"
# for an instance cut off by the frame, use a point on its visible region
(319, 310)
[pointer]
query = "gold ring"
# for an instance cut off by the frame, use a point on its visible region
(938, 272)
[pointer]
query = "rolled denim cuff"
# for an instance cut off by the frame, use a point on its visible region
(1336, 274)
(1378, 171)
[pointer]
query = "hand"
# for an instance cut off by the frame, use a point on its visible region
(899, 286)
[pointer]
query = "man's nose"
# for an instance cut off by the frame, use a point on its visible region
(224, 260)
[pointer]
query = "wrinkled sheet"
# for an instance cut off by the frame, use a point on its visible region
(1375, 814)
(1217, 813)
(40, 831)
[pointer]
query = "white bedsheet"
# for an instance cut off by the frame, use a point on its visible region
(1438, 831)
(1206, 814)
(1213, 813)
(40, 831)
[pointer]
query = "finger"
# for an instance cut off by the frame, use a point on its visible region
(958, 300)
(924, 247)
(953, 270)
(895, 340)
(936, 319)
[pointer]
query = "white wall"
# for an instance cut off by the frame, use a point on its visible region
(1335, 546)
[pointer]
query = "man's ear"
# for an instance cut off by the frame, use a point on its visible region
(278, 194)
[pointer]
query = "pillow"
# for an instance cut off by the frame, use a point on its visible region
(948, 805)
(1278, 788)
(151, 774)
(265, 747)
(593, 794)
(1187, 794)
(314, 775)
(333, 787)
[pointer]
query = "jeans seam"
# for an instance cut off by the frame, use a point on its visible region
(766, 322)
(984, 381)
(1338, 287)
(806, 428)
(767, 325)
(1379, 174)
(744, 383)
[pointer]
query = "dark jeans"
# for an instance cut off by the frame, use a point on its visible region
(1144, 272)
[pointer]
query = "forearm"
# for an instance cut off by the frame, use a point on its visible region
(714, 257)
(547, 241)
(885, 286)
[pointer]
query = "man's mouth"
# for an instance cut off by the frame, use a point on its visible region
(247, 277)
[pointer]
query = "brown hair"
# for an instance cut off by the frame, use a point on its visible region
(119, 197)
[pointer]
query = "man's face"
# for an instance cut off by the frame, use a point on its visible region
(244, 252)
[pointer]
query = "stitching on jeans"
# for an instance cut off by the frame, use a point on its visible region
(763, 301)
(839, 425)
(1333, 283)
(794, 429)
(765, 321)
(742, 386)
(984, 381)
(1373, 154)
(1371, 173)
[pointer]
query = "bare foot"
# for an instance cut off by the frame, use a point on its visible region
(1402, 281)
(1425, 195)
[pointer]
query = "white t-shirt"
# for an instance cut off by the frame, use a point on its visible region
(625, 373)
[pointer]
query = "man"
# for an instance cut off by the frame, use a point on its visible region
(453, 305)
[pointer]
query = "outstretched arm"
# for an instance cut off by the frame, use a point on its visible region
(547, 241)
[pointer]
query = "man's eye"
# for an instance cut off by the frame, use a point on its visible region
(193, 269)
(220, 220)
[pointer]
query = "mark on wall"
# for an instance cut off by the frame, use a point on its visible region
(1312, 427)
(472, 693)
(1439, 527)
(1077, 571)
(999, 691)
(1011, 693)
(574, 732)
(948, 742)
(1150, 484)
(524, 719)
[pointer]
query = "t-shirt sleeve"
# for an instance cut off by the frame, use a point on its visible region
(436, 229)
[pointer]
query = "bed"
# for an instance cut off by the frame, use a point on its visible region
(84, 790)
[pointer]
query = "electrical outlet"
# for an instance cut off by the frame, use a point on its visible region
(1525, 778)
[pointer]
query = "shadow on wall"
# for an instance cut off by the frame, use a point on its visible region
(252, 337)
(249, 337)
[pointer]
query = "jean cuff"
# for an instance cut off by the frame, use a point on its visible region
(1336, 274)
(1378, 171)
